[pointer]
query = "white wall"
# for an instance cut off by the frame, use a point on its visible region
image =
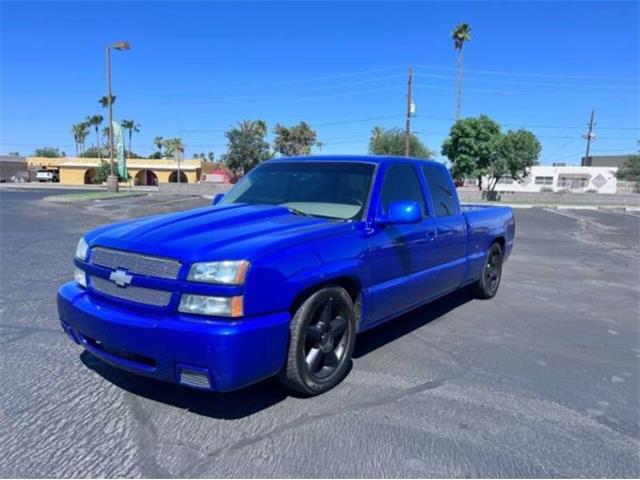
(574, 179)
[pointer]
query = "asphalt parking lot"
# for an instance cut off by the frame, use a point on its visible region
(542, 381)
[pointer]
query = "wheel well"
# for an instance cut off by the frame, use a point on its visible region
(350, 284)
(500, 241)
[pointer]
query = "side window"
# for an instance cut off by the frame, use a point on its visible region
(401, 184)
(444, 201)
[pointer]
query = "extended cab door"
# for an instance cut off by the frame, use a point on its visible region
(402, 256)
(451, 242)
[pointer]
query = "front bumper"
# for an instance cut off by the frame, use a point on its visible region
(231, 353)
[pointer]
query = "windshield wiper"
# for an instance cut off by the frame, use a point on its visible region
(295, 211)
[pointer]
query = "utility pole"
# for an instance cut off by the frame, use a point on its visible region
(407, 133)
(589, 136)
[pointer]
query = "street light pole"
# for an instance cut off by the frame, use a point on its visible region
(113, 186)
(112, 180)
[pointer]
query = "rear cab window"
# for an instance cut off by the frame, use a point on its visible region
(445, 202)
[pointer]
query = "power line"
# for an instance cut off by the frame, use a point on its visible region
(522, 74)
(287, 98)
(516, 82)
(283, 82)
(512, 92)
(343, 122)
(523, 125)
(562, 147)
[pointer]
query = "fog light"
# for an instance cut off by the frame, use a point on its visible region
(80, 277)
(194, 378)
(215, 306)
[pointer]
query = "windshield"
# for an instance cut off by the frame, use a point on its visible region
(323, 189)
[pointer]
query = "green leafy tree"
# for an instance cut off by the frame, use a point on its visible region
(48, 152)
(91, 152)
(471, 147)
(14, 154)
(517, 151)
(460, 35)
(210, 156)
(246, 146)
(131, 127)
(391, 142)
(630, 170)
(103, 170)
(295, 140)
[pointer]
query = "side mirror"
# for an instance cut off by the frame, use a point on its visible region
(217, 198)
(404, 212)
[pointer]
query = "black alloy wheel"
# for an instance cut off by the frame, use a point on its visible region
(326, 339)
(487, 286)
(323, 332)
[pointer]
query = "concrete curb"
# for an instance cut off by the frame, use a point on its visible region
(58, 186)
(625, 208)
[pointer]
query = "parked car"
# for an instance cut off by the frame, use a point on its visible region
(281, 273)
(47, 176)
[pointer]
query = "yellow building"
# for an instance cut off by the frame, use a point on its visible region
(82, 171)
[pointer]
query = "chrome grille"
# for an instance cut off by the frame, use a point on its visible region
(136, 263)
(145, 296)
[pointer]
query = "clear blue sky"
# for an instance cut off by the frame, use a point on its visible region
(203, 66)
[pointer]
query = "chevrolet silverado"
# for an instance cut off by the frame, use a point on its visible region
(279, 275)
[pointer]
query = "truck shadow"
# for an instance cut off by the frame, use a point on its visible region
(245, 402)
(228, 406)
(390, 331)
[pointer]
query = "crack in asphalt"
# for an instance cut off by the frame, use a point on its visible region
(145, 437)
(305, 419)
(21, 332)
(587, 231)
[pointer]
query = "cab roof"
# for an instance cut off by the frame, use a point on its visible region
(377, 159)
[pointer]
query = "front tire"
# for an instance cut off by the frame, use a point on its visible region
(323, 333)
(487, 286)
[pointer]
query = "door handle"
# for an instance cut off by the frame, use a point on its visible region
(431, 236)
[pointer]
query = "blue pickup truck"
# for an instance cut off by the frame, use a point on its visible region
(279, 275)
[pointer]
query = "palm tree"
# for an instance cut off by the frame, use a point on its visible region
(173, 145)
(76, 137)
(159, 143)
(79, 131)
(132, 127)
(95, 121)
(460, 35)
(104, 100)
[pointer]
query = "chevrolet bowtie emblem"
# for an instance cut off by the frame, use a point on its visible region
(120, 277)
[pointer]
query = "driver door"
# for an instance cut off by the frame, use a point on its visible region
(402, 255)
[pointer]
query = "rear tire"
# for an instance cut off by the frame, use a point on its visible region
(323, 333)
(487, 286)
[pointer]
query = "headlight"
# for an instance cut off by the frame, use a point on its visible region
(80, 277)
(230, 272)
(215, 306)
(82, 249)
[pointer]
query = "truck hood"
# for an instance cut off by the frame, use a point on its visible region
(215, 233)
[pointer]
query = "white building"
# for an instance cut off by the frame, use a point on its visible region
(563, 178)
